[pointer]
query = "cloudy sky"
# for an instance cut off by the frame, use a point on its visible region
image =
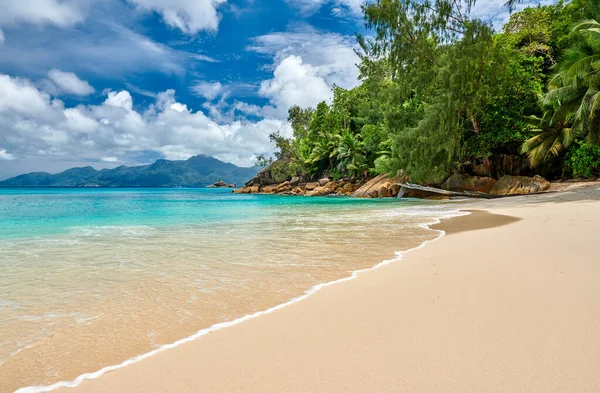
(112, 82)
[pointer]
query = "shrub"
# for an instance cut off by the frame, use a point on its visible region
(584, 160)
(382, 165)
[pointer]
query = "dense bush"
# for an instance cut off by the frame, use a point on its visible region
(584, 161)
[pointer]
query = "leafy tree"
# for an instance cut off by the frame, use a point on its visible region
(572, 103)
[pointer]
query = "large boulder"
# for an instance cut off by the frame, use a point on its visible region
(298, 191)
(323, 181)
(520, 185)
(459, 182)
(311, 186)
(269, 189)
(319, 191)
(266, 176)
(379, 187)
(332, 185)
(285, 186)
(243, 190)
(347, 189)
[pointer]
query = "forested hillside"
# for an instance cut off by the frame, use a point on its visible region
(197, 171)
(442, 92)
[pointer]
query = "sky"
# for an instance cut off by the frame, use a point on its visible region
(125, 82)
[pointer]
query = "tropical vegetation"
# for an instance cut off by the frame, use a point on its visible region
(441, 91)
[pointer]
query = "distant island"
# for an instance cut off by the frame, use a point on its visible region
(197, 171)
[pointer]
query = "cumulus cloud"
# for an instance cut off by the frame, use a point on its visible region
(37, 125)
(54, 12)
(120, 99)
(248, 109)
(189, 16)
(59, 82)
(208, 90)
(307, 64)
(295, 83)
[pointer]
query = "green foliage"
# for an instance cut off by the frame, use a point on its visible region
(440, 89)
(382, 165)
(584, 161)
(572, 103)
(282, 170)
(263, 161)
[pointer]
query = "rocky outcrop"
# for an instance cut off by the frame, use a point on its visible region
(247, 190)
(266, 176)
(319, 191)
(379, 187)
(297, 186)
(520, 185)
(222, 184)
(460, 182)
(384, 187)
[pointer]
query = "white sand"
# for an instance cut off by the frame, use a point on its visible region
(514, 308)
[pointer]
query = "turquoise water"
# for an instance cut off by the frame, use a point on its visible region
(40, 212)
(92, 277)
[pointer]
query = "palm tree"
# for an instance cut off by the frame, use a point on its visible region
(350, 153)
(572, 103)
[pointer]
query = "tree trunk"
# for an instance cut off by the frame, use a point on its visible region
(476, 126)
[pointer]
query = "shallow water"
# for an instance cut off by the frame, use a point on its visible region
(90, 278)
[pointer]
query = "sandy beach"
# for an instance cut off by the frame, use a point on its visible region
(507, 301)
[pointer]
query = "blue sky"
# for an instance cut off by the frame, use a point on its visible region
(111, 82)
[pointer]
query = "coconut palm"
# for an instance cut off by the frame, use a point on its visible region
(572, 103)
(350, 153)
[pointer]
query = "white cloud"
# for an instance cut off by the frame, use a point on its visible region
(103, 49)
(495, 11)
(4, 155)
(247, 109)
(190, 16)
(121, 99)
(208, 90)
(19, 97)
(66, 82)
(35, 125)
(307, 64)
(54, 12)
(208, 59)
(295, 83)
(340, 7)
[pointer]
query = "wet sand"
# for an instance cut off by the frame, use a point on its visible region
(505, 307)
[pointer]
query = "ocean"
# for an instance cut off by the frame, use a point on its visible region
(92, 277)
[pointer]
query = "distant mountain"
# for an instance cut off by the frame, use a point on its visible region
(198, 171)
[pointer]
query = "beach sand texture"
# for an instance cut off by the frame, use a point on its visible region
(512, 308)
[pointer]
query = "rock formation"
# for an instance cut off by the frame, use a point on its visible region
(460, 182)
(520, 185)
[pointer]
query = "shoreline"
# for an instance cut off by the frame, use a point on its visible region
(127, 379)
(89, 376)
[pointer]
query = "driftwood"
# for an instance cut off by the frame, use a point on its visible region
(408, 190)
